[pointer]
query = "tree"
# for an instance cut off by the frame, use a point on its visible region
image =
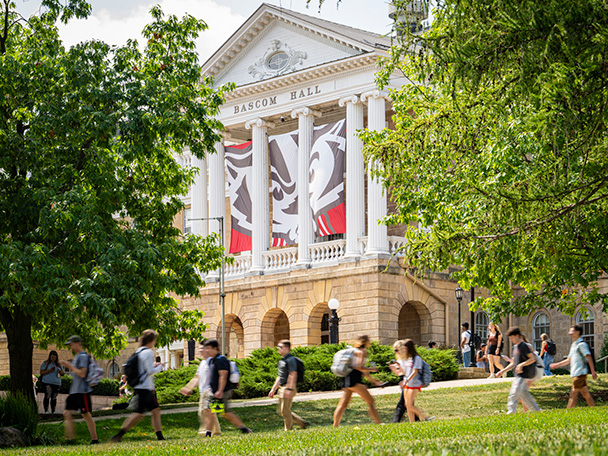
(500, 149)
(89, 187)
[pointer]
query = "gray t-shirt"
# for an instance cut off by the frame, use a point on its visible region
(287, 364)
(52, 378)
(79, 385)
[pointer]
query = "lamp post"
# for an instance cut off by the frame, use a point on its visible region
(459, 293)
(334, 321)
(222, 296)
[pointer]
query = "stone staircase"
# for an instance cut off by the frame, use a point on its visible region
(472, 372)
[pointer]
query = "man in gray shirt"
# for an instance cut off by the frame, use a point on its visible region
(286, 384)
(80, 391)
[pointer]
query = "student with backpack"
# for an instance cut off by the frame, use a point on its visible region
(548, 351)
(221, 387)
(352, 382)
(410, 366)
(80, 391)
(142, 382)
(581, 364)
(285, 385)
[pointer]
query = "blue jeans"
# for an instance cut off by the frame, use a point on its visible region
(466, 359)
(548, 359)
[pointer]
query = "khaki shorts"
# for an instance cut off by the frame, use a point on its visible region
(579, 382)
(206, 396)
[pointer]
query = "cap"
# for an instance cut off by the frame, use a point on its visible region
(72, 339)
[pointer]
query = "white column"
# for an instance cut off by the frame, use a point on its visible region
(198, 198)
(355, 176)
(217, 193)
(306, 117)
(259, 194)
(377, 238)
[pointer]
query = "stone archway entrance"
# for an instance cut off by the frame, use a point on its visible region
(409, 324)
(234, 336)
(318, 325)
(275, 327)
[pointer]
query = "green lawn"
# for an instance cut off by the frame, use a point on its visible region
(469, 420)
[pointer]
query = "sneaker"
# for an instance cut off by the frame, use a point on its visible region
(94, 442)
(305, 424)
(246, 430)
(492, 376)
(430, 418)
(117, 438)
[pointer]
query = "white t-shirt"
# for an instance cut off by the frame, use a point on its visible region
(204, 378)
(466, 337)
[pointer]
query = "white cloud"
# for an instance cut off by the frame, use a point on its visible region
(104, 24)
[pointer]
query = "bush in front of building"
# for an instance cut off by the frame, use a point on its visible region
(169, 382)
(18, 412)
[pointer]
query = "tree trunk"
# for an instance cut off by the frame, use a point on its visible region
(18, 328)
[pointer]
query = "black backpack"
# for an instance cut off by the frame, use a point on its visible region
(300, 365)
(551, 348)
(475, 341)
(131, 370)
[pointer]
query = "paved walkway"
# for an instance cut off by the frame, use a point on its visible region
(303, 397)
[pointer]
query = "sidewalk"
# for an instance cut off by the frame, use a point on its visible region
(303, 397)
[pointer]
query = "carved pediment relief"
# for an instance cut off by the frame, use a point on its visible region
(278, 59)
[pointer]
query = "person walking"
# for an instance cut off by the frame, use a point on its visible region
(285, 386)
(398, 369)
(581, 364)
(409, 367)
(80, 391)
(465, 345)
(524, 362)
(352, 383)
(220, 384)
(144, 392)
(50, 380)
(493, 348)
(209, 424)
(547, 353)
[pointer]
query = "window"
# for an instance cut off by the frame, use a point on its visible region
(481, 326)
(187, 221)
(113, 370)
(540, 324)
(588, 324)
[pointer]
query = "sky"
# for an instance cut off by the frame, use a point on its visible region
(115, 21)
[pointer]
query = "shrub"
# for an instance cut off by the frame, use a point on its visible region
(169, 382)
(5, 382)
(106, 387)
(443, 362)
(18, 412)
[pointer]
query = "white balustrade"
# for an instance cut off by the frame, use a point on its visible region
(239, 267)
(362, 244)
(280, 259)
(395, 244)
(327, 251)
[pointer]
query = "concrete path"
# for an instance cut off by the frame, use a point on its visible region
(303, 397)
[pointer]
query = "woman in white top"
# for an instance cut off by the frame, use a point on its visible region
(409, 365)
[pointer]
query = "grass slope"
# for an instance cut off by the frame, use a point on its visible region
(469, 421)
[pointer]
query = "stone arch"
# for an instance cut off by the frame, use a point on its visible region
(235, 336)
(275, 327)
(315, 322)
(414, 322)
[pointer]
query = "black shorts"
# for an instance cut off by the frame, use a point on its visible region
(492, 350)
(145, 400)
(80, 402)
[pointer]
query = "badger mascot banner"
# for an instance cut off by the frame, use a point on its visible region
(326, 178)
(240, 174)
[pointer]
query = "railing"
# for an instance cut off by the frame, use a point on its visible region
(362, 244)
(280, 259)
(327, 251)
(605, 359)
(394, 244)
(240, 266)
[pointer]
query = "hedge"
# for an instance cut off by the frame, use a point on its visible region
(106, 386)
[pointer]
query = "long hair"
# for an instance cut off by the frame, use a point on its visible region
(411, 348)
(48, 361)
(496, 328)
(362, 341)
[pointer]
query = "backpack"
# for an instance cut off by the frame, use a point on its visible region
(341, 363)
(94, 373)
(551, 348)
(131, 370)
(235, 374)
(426, 374)
(592, 357)
(475, 340)
(300, 365)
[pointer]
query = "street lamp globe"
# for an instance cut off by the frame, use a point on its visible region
(333, 304)
(459, 292)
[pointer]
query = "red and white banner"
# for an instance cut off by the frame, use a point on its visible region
(240, 175)
(326, 178)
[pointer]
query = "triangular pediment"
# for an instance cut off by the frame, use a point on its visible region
(274, 42)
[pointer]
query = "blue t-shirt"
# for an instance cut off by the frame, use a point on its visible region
(52, 378)
(80, 385)
(578, 363)
(408, 365)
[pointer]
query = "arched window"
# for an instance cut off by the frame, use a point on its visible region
(113, 370)
(481, 325)
(588, 324)
(540, 324)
